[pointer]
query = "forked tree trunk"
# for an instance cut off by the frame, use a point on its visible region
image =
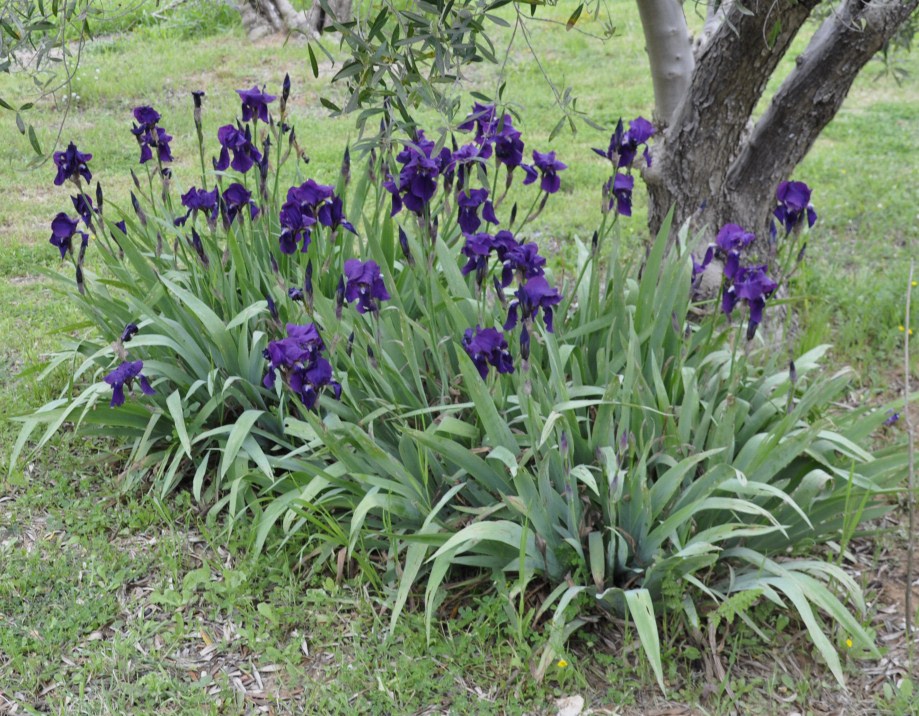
(266, 17)
(710, 162)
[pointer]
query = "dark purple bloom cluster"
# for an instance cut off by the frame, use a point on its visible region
(72, 164)
(306, 205)
(63, 229)
(151, 137)
(487, 346)
(493, 134)
(752, 286)
(255, 103)
(303, 368)
(749, 284)
(622, 150)
(421, 169)
(793, 205)
(731, 240)
(478, 249)
(238, 141)
(234, 200)
(365, 285)
(125, 375)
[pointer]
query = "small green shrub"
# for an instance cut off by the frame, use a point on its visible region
(631, 449)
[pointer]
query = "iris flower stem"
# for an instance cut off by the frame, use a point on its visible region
(494, 182)
(530, 215)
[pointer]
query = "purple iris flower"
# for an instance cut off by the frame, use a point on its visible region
(365, 285)
(462, 160)
(482, 119)
(793, 204)
(125, 375)
(155, 139)
(548, 167)
(331, 215)
(70, 164)
(421, 169)
(533, 295)
(236, 198)
(196, 200)
(623, 145)
(730, 241)
(733, 237)
(477, 249)
(146, 117)
(295, 228)
(239, 142)
(487, 346)
(508, 145)
(129, 331)
(891, 418)
(620, 188)
(63, 229)
(310, 194)
(149, 136)
(299, 358)
(300, 212)
(491, 130)
(309, 380)
(469, 203)
(302, 345)
(255, 103)
(753, 286)
(524, 260)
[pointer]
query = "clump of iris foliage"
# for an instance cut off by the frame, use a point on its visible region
(385, 367)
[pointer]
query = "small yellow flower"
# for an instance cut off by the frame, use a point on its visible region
(848, 643)
(903, 330)
(562, 664)
(915, 283)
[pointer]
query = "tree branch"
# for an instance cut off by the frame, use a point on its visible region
(669, 53)
(811, 95)
(730, 76)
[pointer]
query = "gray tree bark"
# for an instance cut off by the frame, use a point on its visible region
(710, 163)
(266, 17)
(669, 53)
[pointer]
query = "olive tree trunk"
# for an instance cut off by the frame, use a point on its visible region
(712, 163)
(266, 17)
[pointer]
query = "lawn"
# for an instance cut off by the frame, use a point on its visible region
(114, 603)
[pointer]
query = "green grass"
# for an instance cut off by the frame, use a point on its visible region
(115, 605)
(104, 599)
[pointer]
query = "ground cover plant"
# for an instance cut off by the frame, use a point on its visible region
(374, 372)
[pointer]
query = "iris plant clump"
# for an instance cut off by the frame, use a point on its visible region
(391, 352)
